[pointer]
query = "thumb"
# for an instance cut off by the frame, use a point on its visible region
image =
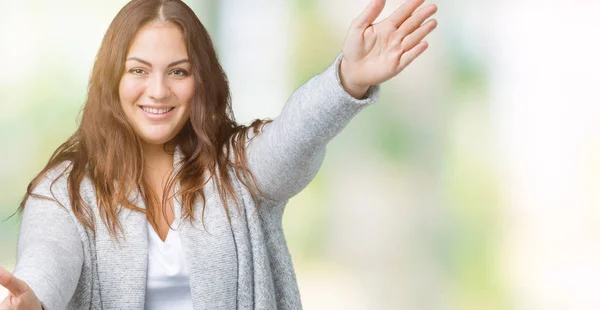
(12, 283)
(369, 15)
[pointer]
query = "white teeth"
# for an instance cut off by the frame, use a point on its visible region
(156, 111)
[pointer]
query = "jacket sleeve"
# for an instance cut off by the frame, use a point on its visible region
(49, 250)
(286, 155)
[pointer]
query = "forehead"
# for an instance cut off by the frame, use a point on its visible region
(158, 43)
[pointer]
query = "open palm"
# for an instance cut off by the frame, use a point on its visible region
(20, 297)
(374, 53)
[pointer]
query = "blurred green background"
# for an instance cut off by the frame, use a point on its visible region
(470, 184)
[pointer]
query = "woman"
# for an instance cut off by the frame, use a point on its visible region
(160, 200)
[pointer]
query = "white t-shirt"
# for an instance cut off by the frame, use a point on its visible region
(167, 282)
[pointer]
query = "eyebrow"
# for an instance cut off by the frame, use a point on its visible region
(175, 63)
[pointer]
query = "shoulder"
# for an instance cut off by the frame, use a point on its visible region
(53, 183)
(48, 203)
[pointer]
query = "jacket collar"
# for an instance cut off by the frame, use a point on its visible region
(210, 254)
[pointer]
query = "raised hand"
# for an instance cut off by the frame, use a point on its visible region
(20, 296)
(374, 53)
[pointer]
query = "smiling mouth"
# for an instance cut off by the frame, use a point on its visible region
(156, 111)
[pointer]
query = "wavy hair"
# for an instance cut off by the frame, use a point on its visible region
(105, 148)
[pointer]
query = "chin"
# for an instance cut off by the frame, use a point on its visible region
(156, 139)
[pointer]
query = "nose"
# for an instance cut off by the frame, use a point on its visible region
(157, 88)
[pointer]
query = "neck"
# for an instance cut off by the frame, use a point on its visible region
(157, 169)
(156, 158)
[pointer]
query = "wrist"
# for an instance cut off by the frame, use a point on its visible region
(355, 90)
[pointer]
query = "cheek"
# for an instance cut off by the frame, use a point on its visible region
(129, 91)
(185, 93)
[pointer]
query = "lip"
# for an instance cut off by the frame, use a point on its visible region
(156, 106)
(157, 117)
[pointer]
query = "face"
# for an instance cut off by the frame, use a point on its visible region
(157, 86)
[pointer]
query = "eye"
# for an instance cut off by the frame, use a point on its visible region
(136, 71)
(180, 72)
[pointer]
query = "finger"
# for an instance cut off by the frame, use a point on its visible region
(5, 305)
(403, 12)
(411, 40)
(411, 55)
(368, 16)
(415, 20)
(10, 282)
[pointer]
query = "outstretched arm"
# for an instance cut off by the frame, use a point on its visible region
(50, 257)
(287, 154)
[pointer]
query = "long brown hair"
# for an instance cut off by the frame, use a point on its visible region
(106, 149)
